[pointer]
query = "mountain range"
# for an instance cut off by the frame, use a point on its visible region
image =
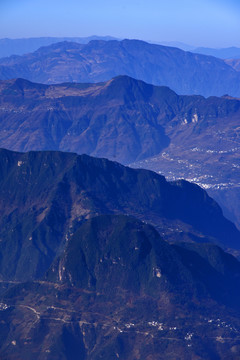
(99, 260)
(80, 261)
(184, 72)
(134, 123)
(22, 46)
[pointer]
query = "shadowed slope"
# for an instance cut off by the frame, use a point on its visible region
(46, 195)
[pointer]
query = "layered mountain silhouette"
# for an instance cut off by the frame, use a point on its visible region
(184, 72)
(103, 261)
(131, 122)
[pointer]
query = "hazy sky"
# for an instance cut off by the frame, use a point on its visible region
(214, 23)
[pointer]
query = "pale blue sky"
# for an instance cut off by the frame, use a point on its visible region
(214, 23)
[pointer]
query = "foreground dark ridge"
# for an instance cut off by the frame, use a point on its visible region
(45, 196)
(119, 291)
(184, 72)
(81, 277)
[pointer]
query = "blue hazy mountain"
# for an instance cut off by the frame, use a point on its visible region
(224, 53)
(184, 72)
(10, 47)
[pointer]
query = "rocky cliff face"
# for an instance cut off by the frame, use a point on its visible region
(235, 63)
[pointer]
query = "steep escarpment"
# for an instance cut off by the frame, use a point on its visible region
(45, 196)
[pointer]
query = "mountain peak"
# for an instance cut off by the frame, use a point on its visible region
(136, 90)
(59, 46)
(19, 86)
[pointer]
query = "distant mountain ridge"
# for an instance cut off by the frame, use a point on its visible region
(9, 47)
(184, 72)
(224, 53)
